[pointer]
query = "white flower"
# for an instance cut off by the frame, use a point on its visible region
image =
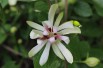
(12, 2)
(92, 61)
(51, 35)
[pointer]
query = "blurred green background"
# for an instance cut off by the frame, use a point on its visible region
(14, 32)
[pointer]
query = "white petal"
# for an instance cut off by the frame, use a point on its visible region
(39, 41)
(67, 54)
(35, 34)
(57, 22)
(35, 25)
(45, 32)
(66, 25)
(57, 51)
(48, 23)
(52, 12)
(45, 55)
(36, 49)
(55, 29)
(12, 2)
(52, 39)
(65, 39)
(70, 30)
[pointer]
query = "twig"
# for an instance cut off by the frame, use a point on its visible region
(66, 64)
(11, 50)
(56, 1)
(48, 1)
(66, 9)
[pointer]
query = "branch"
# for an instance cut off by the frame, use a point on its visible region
(11, 50)
(48, 1)
(66, 9)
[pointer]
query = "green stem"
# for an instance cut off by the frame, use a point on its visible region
(66, 9)
(79, 61)
(48, 1)
(66, 64)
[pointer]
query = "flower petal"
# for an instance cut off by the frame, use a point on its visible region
(12, 2)
(35, 34)
(57, 51)
(70, 30)
(45, 55)
(65, 39)
(52, 12)
(57, 22)
(36, 49)
(55, 29)
(52, 39)
(35, 25)
(39, 41)
(66, 25)
(47, 23)
(67, 54)
(45, 32)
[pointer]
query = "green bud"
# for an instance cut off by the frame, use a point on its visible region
(13, 29)
(19, 41)
(72, 1)
(76, 23)
(13, 8)
(92, 61)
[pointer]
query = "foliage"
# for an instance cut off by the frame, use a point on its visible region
(87, 44)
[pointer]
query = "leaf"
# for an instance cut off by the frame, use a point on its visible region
(83, 9)
(99, 66)
(53, 61)
(10, 64)
(91, 29)
(94, 52)
(3, 3)
(41, 6)
(99, 10)
(79, 49)
(98, 2)
(73, 65)
(3, 36)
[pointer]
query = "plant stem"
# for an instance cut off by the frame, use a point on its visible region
(48, 1)
(66, 64)
(66, 9)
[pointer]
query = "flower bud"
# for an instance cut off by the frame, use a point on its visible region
(13, 8)
(12, 2)
(72, 1)
(92, 61)
(13, 29)
(19, 41)
(76, 23)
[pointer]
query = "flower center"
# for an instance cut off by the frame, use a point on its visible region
(51, 34)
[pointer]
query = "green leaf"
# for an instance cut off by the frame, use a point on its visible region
(41, 6)
(98, 2)
(99, 66)
(83, 9)
(3, 3)
(10, 64)
(78, 48)
(53, 61)
(94, 52)
(99, 10)
(73, 65)
(91, 29)
(3, 36)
